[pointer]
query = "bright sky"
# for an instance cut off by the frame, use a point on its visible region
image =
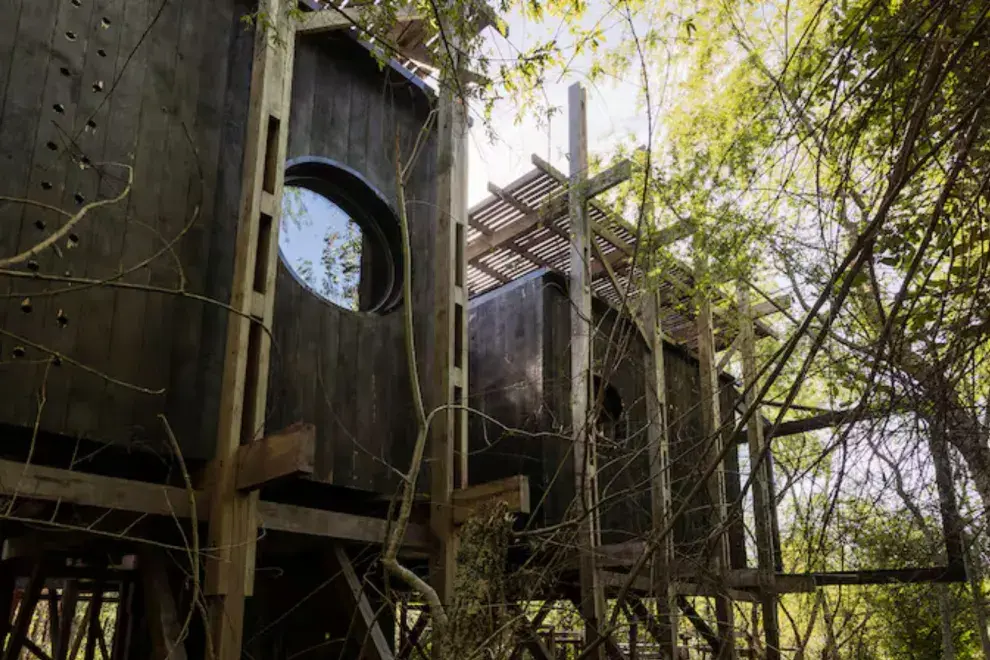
(613, 112)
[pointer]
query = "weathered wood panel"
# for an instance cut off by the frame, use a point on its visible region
(86, 88)
(520, 376)
(346, 371)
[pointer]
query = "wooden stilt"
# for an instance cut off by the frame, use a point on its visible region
(376, 647)
(592, 601)
(25, 613)
(661, 498)
(233, 514)
(762, 496)
(711, 423)
(95, 631)
(448, 433)
(70, 598)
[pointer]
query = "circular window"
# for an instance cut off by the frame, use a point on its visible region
(339, 236)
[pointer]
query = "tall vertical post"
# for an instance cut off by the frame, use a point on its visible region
(233, 514)
(592, 603)
(448, 433)
(763, 500)
(661, 499)
(711, 423)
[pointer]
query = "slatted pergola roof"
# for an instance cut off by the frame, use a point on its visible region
(523, 227)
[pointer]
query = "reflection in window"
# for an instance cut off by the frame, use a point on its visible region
(323, 245)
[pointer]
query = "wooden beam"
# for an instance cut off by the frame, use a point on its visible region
(591, 604)
(712, 438)
(25, 613)
(448, 383)
(38, 482)
(376, 646)
(555, 208)
(514, 491)
(335, 18)
(288, 453)
(661, 497)
(714, 641)
(164, 621)
(762, 497)
(229, 575)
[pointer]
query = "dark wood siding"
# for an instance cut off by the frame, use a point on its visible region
(525, 325)
(342, 370)
(84, 90)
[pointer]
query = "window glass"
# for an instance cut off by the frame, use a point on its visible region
(323, 246)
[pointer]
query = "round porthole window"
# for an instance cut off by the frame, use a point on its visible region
(339, 237)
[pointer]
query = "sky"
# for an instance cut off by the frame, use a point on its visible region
(613, 112)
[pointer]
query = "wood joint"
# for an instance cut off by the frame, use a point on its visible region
(513, 490)
(288, 453)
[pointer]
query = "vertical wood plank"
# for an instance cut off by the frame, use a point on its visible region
(233, 516)
(592, 603)
(762, 498)
(449, 375)
(661, 502)
(712, 440)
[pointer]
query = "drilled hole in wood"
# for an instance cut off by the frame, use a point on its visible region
(19, 351)
(40, 224)
(65, 71)
(73, 240)
(62, 319)
(91, 125)
(79, 198)
(59, 108)
(56, 361)
(105, 23)
(33, 266)
(84, 162)
(46, 185)
(77, 3)
(26, 306)
(101, 53)
(98, 86)
(70, 35)
(52, 146)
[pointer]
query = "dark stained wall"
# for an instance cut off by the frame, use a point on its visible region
(83, 90)
(520, 376)
(346, 371)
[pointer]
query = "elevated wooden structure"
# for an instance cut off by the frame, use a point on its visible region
(195, 441)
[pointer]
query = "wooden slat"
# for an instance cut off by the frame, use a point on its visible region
(376, 647)
(288, 453)
(514, 491)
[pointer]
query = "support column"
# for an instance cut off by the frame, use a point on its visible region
(448, 433)
(592, 603)
(661, 506)
(763, 500)
(233, 514)
(711, 422)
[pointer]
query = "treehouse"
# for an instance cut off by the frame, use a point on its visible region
(205, 381)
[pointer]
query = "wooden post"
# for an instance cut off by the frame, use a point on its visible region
(592, 603)
(661, 498)
(762, 496)
(711, 423)
(233, 514)
(448, 433)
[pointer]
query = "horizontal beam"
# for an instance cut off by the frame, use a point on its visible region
(288, 453)
(333, 18)
(556, 207)
(39, 482)
(823, 421)
(514, 491)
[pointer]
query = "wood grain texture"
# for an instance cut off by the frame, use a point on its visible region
(85, 79)
(346, 371)
(287, 453)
